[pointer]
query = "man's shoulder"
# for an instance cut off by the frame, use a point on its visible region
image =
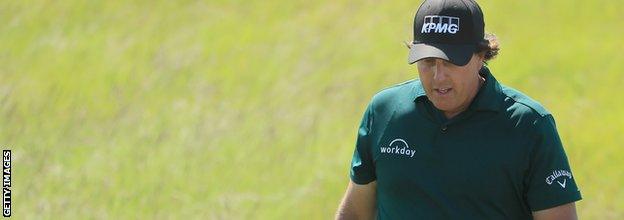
(398, 92)
(521, 104)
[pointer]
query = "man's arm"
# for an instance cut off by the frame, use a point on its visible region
(359, 202)
(562, 212)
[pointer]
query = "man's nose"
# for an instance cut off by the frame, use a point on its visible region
(439, 71)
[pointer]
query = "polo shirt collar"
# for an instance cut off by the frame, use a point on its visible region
(488, 97)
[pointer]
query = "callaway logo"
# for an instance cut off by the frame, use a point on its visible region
(440, 24)
(556, 174)
(398, 146)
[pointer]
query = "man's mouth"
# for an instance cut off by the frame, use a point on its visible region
(443, 91)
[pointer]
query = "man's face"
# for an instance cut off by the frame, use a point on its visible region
(449, 87)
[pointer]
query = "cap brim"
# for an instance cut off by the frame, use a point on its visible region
(459, 55)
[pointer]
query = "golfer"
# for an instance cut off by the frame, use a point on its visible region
(455, 143)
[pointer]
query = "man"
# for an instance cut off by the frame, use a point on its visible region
(456, 144)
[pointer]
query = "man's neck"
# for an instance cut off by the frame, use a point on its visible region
(451, 114)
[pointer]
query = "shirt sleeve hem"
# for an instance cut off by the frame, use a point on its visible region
(551, 204)
(362, 180)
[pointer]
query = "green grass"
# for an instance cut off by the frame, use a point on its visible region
(249, 110)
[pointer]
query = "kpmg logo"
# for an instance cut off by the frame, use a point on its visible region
(398, 146)
(440, 24)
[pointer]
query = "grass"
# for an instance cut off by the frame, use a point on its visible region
(248, 110)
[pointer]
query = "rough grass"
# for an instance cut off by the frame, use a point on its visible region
(248, 110)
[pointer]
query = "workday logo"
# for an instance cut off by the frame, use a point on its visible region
(440, 24)
(398, 146)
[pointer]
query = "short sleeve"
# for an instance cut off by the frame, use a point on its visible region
(550, 179)
(362, 167)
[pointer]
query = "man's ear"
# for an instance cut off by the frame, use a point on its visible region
(481, 57)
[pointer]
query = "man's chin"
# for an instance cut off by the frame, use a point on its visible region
(442, 106)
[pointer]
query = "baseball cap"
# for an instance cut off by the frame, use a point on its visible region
(447, 29)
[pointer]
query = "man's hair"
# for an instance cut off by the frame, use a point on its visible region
(490, 46)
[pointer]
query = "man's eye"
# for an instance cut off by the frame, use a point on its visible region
(429, 61)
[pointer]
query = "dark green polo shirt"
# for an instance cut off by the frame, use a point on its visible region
(500, 159)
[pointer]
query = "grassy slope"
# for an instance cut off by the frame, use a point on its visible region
(234, 109)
